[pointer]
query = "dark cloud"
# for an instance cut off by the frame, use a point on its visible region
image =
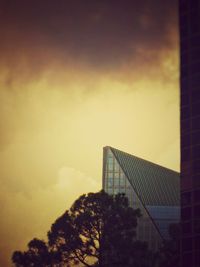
(100, 33)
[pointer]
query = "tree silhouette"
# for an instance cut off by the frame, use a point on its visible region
(98, 230)
(169, 253)
(36, 255)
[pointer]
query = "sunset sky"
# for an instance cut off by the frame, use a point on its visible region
(77, 75)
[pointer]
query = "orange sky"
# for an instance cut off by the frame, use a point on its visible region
(64, 98)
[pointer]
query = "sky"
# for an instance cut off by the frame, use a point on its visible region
(75, 76)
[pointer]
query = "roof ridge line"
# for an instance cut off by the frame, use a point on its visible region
(147, 161)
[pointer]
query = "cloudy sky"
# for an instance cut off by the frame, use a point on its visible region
(77, 75)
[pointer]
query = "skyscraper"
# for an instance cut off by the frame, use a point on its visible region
(189, 14)
(153, 189)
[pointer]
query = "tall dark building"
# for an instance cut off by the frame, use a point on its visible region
(153, 189)
(189, 14)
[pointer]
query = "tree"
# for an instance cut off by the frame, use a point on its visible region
(99, 230)
(36, 255)
(169, 254)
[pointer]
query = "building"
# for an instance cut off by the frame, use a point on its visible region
(153, 189)
(189, 17)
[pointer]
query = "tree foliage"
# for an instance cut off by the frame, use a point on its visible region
(98, 230)
(36, 255)
(169, 254)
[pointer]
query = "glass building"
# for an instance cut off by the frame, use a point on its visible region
(189, 17)
(153, 189)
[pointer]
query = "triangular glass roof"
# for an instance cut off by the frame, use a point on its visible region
(154, 185)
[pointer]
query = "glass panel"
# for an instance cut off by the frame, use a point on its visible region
(110, 163)
(116, 166)
(110, 182)
(197, 258)
(187, 244)
(110, 175)
(186, 213)
(116, 182)
(122, 182)
(197, 226)
(197, 242)
(185, 154)
(185, 140)
(196, 166)
(187, 260)
(116, 175)
(186, 198)
(197, 195)
(122, 190)
(196, 123)
(186, 228)
(196, 180)
(110, 166)
(197, 212)
(110, 191)
(116, 191)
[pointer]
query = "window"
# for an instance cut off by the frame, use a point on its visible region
(195, 79)
(197, 212)
(183, 5)
(184, 70)
(116, 175)
(116, 166)
(110, 191)
(187, 260)
(186, 213)
(195, 68)
(184, 85)
(196, 166)
(184, 99)
(195, 94)
(185, 112)
(186, 228)
(122, 190)
(184, 45)
(110, 174)
(196, 180)
(185, 154)
(196, 138)
(197, 258)
(110, 163)
(116, 191)
(110, 182)
(122, 182)
(116, 182)
(196, 152)
(196, 109)
(197, 242)
(184, 31)
(195, 41)
(194, 4)
(187, 244)
(186, 198)
(110, 166)
(194, 22)
(197, 196)
(185, 140)
(197, 226)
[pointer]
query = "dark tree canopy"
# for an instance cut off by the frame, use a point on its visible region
(36, 255)
(169, 254)
(98, 230)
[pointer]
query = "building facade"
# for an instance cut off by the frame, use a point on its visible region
(151, 188)
(189, 16)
